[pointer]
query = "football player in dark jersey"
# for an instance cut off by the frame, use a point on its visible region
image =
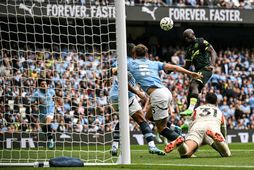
(202, 55)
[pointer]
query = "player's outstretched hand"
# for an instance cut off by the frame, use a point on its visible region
(196, 75)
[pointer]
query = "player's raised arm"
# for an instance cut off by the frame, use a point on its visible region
(213, 57)
(171, 67)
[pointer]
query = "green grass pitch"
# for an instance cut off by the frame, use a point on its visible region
(207, 159)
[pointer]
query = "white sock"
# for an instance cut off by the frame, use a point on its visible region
(222, 147)
(115, 144)
(193, 102)
(151, 144)
(187, 121)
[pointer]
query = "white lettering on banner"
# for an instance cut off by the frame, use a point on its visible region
(225, 15)
(193, 14)
(229, 138)
(188, 14)
(9, 143)
(80, 11)
(30, 143)
(139, 138)
(244, 137)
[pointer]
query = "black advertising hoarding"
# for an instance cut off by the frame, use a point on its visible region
(207, 15)
(75, 9)
(62, 9)
(34, 140)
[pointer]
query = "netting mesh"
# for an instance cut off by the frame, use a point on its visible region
(70, 45)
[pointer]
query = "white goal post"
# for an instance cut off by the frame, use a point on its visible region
(71, 45)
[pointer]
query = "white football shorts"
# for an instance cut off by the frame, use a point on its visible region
(161, 98)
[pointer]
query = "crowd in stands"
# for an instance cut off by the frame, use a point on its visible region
(243, 4)
(82, 82)
(79, 83)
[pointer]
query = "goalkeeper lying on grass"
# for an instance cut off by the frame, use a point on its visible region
(207, 127)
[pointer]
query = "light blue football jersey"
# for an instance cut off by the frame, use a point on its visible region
(146, 72)
(113, 93)
(45, 100)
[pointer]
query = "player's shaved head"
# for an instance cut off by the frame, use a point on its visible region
(188, 32)
(211, 98)
(140, 50)
(189, 35)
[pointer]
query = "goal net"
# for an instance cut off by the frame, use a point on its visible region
(70, 45)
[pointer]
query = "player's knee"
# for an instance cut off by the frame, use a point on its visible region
(161, 124)
(160, 128)
(194, 94)
(138, 117)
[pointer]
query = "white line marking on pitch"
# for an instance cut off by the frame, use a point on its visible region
(233, 150)
(197, 165)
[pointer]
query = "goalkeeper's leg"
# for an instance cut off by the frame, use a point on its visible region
(187, 148)
(219, 143)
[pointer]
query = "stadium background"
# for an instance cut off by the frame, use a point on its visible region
(232, 81)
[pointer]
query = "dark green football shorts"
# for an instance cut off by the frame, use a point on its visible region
(207, 74)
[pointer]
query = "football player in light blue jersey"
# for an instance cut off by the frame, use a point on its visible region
(135, 110)
(43, 97)
(146, 73)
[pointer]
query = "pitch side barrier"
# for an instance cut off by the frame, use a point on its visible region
(37, 140)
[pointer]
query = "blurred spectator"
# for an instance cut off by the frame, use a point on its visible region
(243, 4)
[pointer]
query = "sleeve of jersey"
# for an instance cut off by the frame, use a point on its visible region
(160, 66)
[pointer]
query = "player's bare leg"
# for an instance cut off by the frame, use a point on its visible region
(187, 148)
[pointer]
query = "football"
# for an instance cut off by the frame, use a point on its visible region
(166, 23)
